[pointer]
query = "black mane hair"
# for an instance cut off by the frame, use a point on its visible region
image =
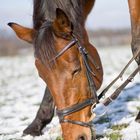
(44, 44)
(46, 10)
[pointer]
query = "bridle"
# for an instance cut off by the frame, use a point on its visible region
(89, 73)
(94, 100)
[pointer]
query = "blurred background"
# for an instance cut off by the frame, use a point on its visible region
(21, 89)
(107, 25)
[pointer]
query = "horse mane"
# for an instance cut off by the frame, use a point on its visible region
(44, 44)
(46, 10)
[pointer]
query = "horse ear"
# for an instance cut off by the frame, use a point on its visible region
(23, 33)
(61, 17)
(62, 22)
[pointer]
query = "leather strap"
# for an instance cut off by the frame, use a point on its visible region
(73, 42)
(74, 108)
(89, 72)
(85, 124)
(117, 92)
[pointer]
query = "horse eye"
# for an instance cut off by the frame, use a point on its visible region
(76, 71)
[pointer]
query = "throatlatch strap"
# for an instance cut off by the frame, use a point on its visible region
(88, 72)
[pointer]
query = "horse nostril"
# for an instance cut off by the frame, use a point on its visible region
(82, 138)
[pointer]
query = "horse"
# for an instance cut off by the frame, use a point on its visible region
(61, 70)
(78, 10)
(67, 72)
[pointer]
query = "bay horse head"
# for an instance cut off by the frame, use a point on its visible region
(61, 62)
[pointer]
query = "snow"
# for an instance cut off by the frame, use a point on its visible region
(132, 131)
(21, 91)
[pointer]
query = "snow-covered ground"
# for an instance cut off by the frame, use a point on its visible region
(21, 91)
